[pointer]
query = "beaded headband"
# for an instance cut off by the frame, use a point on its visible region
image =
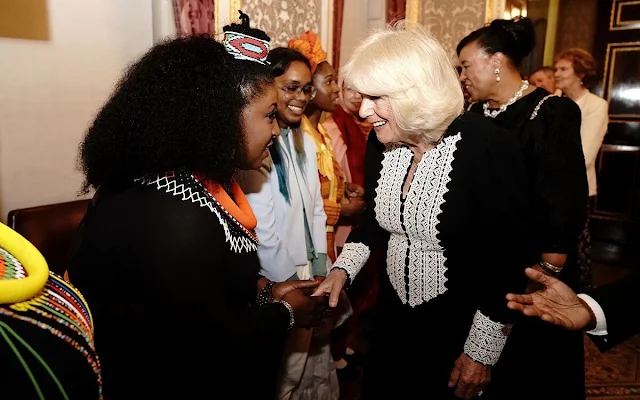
(246, 47)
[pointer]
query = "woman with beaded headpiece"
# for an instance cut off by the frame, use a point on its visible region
(548, 130)
(447, 192)
(166, 254)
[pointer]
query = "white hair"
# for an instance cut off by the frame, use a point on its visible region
(412, 69)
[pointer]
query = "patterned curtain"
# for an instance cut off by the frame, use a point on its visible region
(193, 16)
(338, 11)
(395, 10)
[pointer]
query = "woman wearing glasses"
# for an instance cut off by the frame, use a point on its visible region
(285, 197)
(342, 199)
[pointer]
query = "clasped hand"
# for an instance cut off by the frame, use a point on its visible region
(308, 310)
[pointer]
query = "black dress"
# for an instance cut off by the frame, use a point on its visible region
(541, 360)
(456, 244)
(171, 281)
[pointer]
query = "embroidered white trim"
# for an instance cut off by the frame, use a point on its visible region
(486, 339)
(413, 241)
(239, 244)
(535, 110)
(352, 258)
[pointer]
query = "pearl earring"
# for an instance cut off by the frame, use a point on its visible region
(497, 72)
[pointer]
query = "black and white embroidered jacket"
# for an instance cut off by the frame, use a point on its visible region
(463, 226)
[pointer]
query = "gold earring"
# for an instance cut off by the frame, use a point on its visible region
(497, 72)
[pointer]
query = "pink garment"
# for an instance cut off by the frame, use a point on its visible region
(193, 16)
(340, 153)
(338, 144)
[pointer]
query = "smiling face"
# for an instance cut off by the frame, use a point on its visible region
(566, 76)
(477, 73)
(377, 111)
(259, 126)
(325, 81)
(291, 108)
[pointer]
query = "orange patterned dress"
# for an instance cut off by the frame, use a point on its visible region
(331, 180)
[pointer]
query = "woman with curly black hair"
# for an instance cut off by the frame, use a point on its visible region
(166, 255)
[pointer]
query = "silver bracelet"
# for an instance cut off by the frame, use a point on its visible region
(292, 319)
(550, 268)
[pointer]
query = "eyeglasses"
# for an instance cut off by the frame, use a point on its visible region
(293, 91)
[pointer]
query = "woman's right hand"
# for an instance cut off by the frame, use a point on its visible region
(332, 286)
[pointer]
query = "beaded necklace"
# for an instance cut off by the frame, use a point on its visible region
(55, 311)
(55, 306)
(494, 113)
(238, 208)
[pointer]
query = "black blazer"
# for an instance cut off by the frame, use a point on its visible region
(620, 302)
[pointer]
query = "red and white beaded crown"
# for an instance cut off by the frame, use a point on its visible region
(243, 46)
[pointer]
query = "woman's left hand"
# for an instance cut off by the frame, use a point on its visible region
(469, 376)
(353, 190)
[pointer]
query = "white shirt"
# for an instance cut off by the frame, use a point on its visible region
(601, 320)
(281, 223)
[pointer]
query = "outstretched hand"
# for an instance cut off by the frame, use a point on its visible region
(555, 302)
(332, 286)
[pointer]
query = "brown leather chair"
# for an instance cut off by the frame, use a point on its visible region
(50, 228)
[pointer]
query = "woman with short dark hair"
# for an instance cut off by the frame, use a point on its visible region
(547, 128)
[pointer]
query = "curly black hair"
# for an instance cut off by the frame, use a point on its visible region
(178, 107)
(515, 38)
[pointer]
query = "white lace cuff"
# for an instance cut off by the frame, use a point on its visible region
(352, 258)
(486, 339)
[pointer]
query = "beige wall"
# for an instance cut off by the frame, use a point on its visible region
(451, 20)
(284, 19)
(447, 20)
(359, 18)
(50, 92)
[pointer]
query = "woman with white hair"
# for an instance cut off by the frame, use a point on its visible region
(448, 190)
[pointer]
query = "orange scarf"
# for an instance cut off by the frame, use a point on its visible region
(240, 209)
